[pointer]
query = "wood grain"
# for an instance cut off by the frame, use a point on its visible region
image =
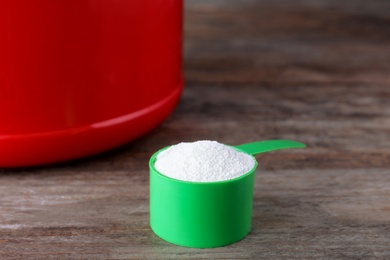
(313, 71)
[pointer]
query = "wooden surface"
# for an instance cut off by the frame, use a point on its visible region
(310, 70)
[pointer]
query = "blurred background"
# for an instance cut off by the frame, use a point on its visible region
(315, 71)
(287, 42)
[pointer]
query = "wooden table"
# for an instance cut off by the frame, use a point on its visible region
(308, 70)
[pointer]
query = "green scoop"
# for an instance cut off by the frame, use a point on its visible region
(206, 214)
(268, 146)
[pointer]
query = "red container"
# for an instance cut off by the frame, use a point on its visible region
(78, 77)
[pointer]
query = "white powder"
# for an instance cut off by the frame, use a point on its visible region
(203, 161)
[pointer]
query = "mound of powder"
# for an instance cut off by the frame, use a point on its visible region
(203, 161)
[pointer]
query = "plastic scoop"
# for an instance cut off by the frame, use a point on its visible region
(268, 146)
(206, 214)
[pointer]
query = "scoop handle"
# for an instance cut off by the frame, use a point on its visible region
(267, 146)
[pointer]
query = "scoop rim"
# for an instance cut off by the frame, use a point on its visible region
(153, 158)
